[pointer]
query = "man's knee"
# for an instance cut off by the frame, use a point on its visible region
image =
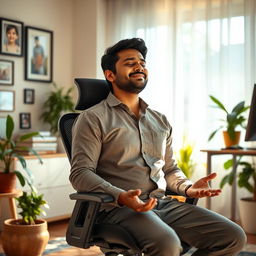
(237, 238)
(167, 244)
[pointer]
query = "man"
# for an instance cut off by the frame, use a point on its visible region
(122, 147)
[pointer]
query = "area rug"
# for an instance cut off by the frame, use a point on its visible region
(60, 245)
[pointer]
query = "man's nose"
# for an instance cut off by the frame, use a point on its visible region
(139, 68)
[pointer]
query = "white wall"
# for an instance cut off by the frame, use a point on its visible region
(75, 25)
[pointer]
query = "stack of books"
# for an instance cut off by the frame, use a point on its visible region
(44, 143)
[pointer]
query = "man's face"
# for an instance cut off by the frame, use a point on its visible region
(131, 73)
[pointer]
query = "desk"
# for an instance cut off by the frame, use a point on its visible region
(234, 153)
(10, 196)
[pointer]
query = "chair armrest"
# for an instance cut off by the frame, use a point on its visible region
(83, 217)
(189, 200)
(96, 197)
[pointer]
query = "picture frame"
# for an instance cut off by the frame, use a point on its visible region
(29, 96)
(7, 101)
(6, 72)
(39, 54)
(25, 120)
(11, 37)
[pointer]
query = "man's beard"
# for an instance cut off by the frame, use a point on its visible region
(131, 86)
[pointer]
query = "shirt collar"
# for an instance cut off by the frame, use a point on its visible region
(113, 101)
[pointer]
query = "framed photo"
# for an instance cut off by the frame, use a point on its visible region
(25, 121)
(29, 96)
(11, 37)
(6, 72)
(6, 101)
(38, 57)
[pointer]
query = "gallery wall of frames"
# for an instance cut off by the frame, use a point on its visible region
(35, 46)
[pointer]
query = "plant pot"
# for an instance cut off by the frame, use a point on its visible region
(228, 141)
(7, 182)
(24, 240)
(247, 208)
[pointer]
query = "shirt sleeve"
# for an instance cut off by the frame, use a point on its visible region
(86, 148)
(175, 178)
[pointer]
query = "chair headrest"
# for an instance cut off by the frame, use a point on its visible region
(90, 92)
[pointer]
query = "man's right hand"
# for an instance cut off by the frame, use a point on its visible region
(131, 199)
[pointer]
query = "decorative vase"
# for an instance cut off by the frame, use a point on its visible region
(24, 240)
(247, 208)
(7, 182)
(228, 141)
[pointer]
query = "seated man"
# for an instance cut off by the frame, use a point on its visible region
(122, 147)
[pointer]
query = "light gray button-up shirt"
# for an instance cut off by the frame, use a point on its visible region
(113, 151)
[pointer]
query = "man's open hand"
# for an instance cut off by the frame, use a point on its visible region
(131, 199)
(201, 188)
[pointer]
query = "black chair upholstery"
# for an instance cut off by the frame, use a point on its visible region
(82, 230)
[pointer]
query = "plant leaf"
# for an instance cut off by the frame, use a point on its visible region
(28, 136)
(228, 164)
(9, 127)
(218, 103)
(20, 178)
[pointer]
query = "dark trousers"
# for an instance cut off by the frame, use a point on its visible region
(159, 231)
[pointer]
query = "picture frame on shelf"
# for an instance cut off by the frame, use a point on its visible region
(7, 101)
(6, 72)
(29, 96)
(38, 54)
(11, 37)
(25, 120)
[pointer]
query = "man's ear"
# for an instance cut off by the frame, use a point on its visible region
(109, 75)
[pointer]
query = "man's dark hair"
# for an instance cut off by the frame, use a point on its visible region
(109, 59)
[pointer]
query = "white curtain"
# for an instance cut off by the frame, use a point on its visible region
(196, 48)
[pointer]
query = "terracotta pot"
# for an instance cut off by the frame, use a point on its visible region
(228, 141)
(24, 240)
(247, 209)
(7, 182)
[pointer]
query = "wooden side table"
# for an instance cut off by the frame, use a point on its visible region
(10, 197)
(235, 153)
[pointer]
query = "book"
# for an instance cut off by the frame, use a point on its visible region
(42, 139)
(38, 144)
(45, 133)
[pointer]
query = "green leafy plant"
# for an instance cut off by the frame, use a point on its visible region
(9, 149)
(184, 158)
(246, 177)
(233, 119)
(30, 205)
(57, 103)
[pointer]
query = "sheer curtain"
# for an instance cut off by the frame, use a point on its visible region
(196, 48)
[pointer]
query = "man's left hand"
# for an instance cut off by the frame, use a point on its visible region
(201, 188)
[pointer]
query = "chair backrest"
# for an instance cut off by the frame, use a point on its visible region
(90, 92)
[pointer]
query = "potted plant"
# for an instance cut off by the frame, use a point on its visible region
(29, 235)
(184, 158)
(246, 178)
(232, 120)
(55, 105)
(9, 150)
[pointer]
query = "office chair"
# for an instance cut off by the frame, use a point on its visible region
(82, 230)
